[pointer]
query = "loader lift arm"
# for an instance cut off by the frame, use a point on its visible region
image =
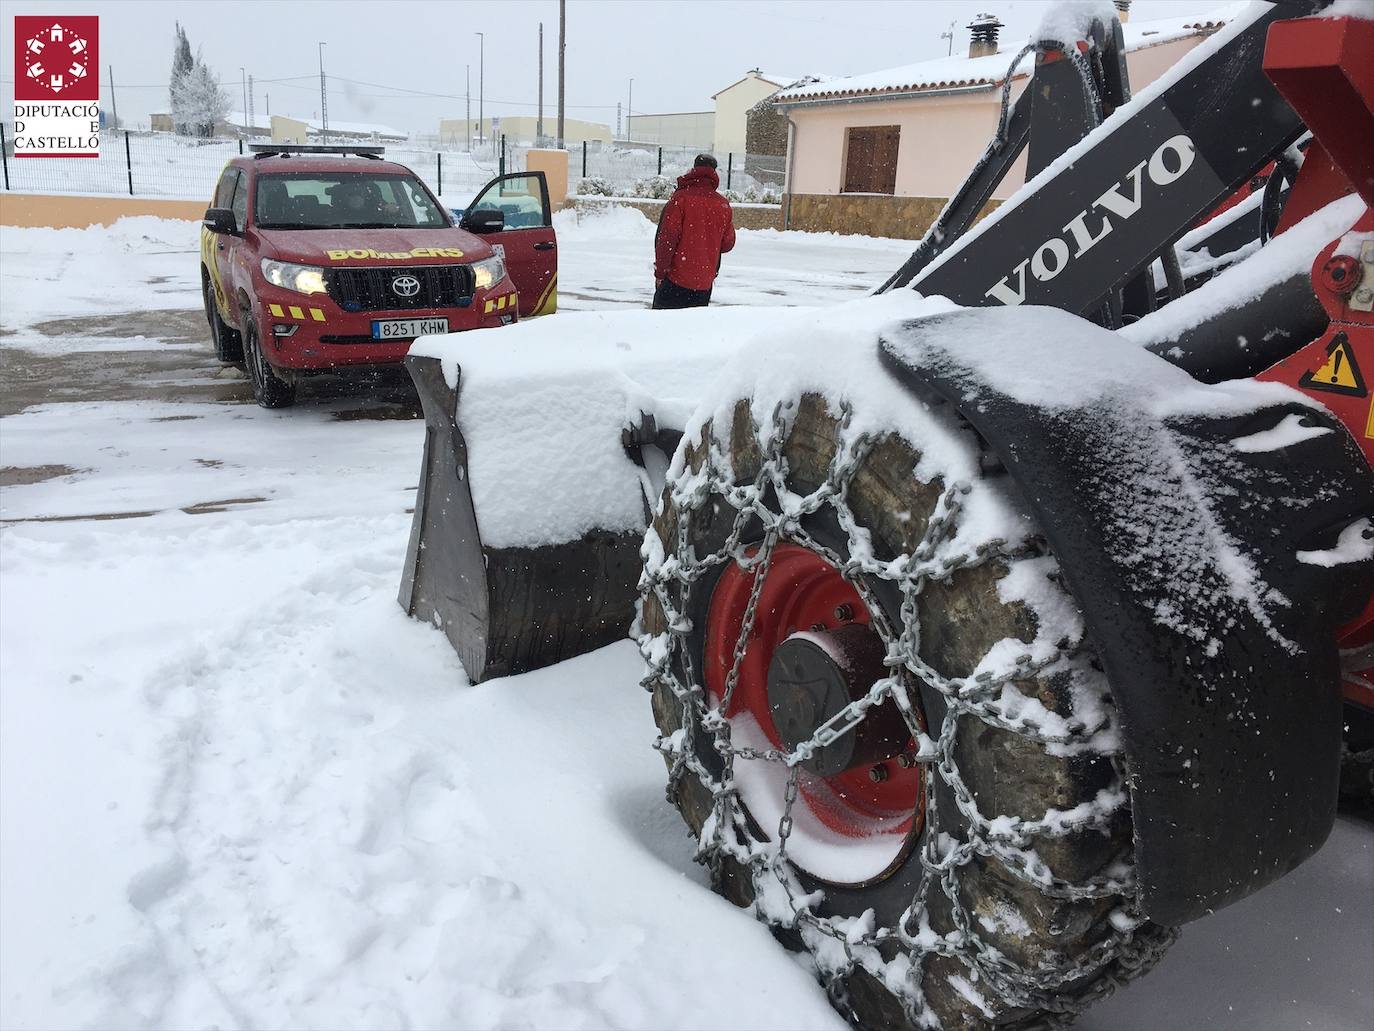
(1126, 193)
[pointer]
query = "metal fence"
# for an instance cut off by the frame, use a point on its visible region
(154, 164)
(145, 164)
(625, 169)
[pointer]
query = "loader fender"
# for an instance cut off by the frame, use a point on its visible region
(1213, 537)
(510, 609)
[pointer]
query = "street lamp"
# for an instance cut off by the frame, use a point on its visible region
(481, 81)
(324, 109)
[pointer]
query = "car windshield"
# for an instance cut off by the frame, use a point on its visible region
(347, 200)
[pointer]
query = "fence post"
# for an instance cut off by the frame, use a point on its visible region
(3, 158)
(660, 160)
(129, 162)
(729, 168)
(240, 144)
(502, 169)
(439, 161)
(584, 159)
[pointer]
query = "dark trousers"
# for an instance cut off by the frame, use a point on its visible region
(670, 295)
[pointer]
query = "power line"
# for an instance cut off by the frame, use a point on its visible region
(403, 91)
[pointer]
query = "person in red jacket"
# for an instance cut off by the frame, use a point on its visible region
(695, 229)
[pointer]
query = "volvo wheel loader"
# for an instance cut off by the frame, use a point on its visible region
(1001, 623)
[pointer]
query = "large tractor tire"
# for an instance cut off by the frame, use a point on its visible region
(962, 857)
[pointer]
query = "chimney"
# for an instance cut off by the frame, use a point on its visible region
(1123, 10)
(983, 35)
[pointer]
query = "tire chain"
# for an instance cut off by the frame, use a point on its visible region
(1058, 992)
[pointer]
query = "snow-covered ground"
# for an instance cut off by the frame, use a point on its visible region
(238, 787)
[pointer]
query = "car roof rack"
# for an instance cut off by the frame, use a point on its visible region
(269, 150)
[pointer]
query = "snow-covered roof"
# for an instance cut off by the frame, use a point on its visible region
(991, 70)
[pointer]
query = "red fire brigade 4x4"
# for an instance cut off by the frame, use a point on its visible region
(319, 257)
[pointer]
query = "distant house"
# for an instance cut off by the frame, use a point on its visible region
(722, 131)
(235, 123)
(692, 130)
(733, 104)
(454, 132)
(880, 153)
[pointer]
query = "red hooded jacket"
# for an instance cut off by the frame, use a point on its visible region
(695, 229)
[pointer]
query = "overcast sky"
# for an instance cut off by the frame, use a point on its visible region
(679, 52)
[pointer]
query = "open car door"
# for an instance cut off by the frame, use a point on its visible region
(527, 236)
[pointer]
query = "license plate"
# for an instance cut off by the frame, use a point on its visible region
(406, 329)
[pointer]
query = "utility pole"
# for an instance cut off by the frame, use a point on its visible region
(324, 104)
(252, 122)
(562, 48)
(114, 107)
(539, 121)
(467, 93)
(268, 97)
(481, 82)
(244, 76)
(629, 109)
(618, 133)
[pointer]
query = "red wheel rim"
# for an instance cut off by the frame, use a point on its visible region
(802, 591)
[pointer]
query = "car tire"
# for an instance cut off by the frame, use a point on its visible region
(270, 390)
(997, 909)
(227, 340)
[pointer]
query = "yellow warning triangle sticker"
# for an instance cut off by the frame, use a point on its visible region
(1339, 374)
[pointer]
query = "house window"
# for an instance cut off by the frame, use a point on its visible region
(870, 164)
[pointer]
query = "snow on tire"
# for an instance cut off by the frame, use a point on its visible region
(972, 862)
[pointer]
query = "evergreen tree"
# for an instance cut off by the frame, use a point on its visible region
(182, 63)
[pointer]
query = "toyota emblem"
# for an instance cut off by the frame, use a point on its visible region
(405, 286)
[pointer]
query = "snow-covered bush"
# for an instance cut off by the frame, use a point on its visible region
(754, 194)
(656, 187)
(595, 186)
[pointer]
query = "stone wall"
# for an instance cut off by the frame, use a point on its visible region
(747, 216)
(900, 218)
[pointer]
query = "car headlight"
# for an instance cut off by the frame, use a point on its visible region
(304, 279)
(488, 272)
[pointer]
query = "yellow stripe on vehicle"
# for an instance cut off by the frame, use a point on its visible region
(491, 306)
(275, 309)
(317, 314)
(548, 300)
(296, 313)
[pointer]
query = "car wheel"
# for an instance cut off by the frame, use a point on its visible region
(227, 340)
(270, 390)
(960, 853)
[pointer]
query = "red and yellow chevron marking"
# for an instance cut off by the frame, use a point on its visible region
(548, 300)
(500, 303)
(280, 312)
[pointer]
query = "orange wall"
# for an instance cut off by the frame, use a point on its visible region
(64, 211)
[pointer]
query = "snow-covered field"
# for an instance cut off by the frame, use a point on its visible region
(238, 787)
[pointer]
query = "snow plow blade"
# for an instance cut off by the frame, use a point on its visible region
(504, 609)
(1215, 537)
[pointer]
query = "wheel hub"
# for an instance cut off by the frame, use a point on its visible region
(813, 676)
(810, 651)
